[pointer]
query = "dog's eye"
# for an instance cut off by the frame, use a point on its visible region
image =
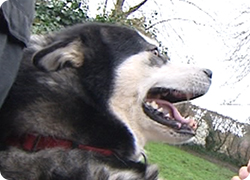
(156, 52)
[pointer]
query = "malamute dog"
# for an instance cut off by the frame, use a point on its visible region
(96, 95)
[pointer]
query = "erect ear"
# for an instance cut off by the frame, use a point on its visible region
(59, 55)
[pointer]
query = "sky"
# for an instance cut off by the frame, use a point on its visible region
(199, 32)
(2, 1)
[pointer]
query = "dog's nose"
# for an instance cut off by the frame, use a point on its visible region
(208, 72)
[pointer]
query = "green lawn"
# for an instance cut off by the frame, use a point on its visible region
(176, 164)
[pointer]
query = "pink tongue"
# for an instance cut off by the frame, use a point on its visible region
(174, 113)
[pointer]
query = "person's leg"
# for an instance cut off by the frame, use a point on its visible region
(16, 18)
(10, 56)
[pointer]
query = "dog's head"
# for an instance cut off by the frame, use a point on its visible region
(123, 71)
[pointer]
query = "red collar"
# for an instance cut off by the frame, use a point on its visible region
(33, 143)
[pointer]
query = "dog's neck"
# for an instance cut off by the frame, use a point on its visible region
(34, 143)
(140, 140)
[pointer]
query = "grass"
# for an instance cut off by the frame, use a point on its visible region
(176, 164)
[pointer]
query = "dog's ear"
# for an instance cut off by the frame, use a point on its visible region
(59, 55)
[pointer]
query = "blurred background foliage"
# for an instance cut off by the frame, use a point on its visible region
(52, 15)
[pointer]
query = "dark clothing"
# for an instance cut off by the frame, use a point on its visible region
(16, 18)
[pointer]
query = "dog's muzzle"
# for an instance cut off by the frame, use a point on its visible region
(158, 106)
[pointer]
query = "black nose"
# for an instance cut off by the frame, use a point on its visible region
(208, 72)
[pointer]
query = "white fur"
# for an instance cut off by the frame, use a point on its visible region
(1, 177)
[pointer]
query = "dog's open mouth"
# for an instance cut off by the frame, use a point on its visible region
(158, 106)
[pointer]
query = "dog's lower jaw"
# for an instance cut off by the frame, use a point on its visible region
(156, 132)
(143, 128)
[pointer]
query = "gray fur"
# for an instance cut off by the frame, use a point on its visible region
(59, 162)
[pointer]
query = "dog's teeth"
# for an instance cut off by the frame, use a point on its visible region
(154, 105)
(167, 115)
(160, 109)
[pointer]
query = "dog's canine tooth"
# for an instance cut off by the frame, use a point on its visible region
(154, 105)
(160, 109)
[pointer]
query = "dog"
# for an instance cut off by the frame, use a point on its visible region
(87, 99)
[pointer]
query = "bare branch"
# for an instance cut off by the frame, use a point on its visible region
(173, 19)
(191, 3)
(105, 7)
(118, 8)
(119, 4)
(135, 8)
